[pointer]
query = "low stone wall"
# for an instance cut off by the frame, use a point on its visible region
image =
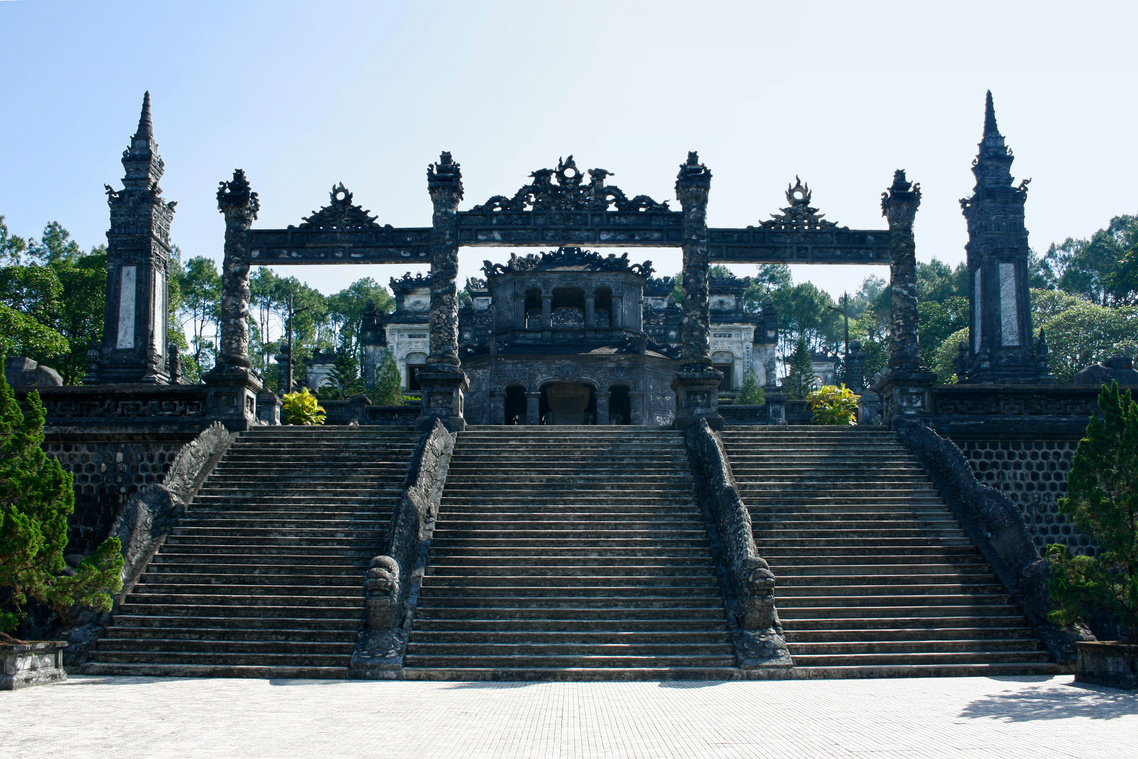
(392, 582)
(748, 581)
(1020, 440)
(25, 664)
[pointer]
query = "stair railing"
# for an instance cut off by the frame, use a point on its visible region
(748, 582)
(392, 581)
(997, 527)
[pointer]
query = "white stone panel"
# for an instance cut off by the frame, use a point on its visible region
(977, 309)
(127, 294)
(158, 314)
(1009, 310)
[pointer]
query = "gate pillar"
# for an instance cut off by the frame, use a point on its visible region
(443, 382)
(696, 384)
(906, 383)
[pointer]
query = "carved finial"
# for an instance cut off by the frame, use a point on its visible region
(989, 116)
(899, 204)
(445, 176)
(236, 197)
(145, 124)
(693, 175)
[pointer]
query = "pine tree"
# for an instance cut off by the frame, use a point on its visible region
(388, 387)
(36, 498)
(345, 376)
(1102, 499)
(800, 376)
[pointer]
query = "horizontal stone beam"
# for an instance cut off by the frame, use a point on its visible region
(756, 245)
(365, 246)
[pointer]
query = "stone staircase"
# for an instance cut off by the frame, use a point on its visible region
(875, 575)
(569, 553)
(263, 577)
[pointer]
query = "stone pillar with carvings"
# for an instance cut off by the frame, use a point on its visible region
(443, 382)
(696, 385)
(233, 386)
(135, 343)
(239, 205)
(1001, 347)
(533, 407)
(906, 383)
(603, 406)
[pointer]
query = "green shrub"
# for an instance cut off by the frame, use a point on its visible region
(301, 408)
(833, 405)
(36, 498)
(1102, 499)
(750, 392)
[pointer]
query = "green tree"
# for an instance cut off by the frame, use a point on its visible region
(29, 300)
(345, 310)
(1102, 499)
(83, 280)
(200, 309)
(750, 392)
(12, 248)
(944, 360)
(1083, 334)
(937, 320)
(388, 387)
(800, 375)
(345, 377)
(1094, 269)
(36, 498)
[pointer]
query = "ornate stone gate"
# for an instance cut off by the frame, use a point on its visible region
(559, 207)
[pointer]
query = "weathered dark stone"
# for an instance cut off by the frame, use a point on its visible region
(444, 181)
(392, 582)
(134, 346)
(239, 204)
(1000, 347)
(748, 583)
(26, 664)
(26, 373)
(899, 205)
(1108, 663)
(996, 526)
(1118, 369)
(692, 187)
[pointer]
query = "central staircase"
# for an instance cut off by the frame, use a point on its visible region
(569, 553)
(263, 577)
(875, 575)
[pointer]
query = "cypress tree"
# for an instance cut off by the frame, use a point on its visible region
(36, 498)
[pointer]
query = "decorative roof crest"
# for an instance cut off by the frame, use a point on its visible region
(340, 214)
(564, 258)
(561, 189)
(410, 281)
(799, 215)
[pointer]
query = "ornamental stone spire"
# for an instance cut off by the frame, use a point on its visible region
(1001, 346)
(134, 348)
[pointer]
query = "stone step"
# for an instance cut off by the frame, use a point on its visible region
(788, 579)
(137, 635)
(597, 649)
(856, 628)
(339, 598)
(235, 608)
(666, 671)
(154, 669)
(534, 629)
(814, 600)
(243, 658)
(188, 622)
(551, 617)
(307, 587)
(900, 587)
(544, 586)
(887, 566)
(922, 632)
(346, 579)
(804, 615)
(227, 646)
(553, 661)
(924, 657)
(545, 566)
(597, 600)
(930, 644)
(862, 670)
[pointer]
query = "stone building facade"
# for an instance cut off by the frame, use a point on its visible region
(573, 337)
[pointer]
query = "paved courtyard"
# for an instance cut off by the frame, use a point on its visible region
(1002, 717)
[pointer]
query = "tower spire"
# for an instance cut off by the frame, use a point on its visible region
(146, 125)
(989, 117)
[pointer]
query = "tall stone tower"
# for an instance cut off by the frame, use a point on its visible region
(1001, 346)
(134, 348)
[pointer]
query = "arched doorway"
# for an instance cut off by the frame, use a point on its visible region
(620, 405)
(515, 404)
(568, 403)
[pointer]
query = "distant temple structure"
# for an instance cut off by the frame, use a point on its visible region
(573, 337)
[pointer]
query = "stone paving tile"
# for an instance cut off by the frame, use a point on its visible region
(1007, 717)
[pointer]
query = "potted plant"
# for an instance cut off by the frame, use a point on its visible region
(301, 407)
(36, 498)
(833, 404)
(1102, 500)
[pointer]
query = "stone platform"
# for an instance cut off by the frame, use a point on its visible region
(1005, 717)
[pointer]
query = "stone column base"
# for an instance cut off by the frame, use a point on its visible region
(231, 397)
(905, 394)
(443, 393)
(26, 664)
(697, 397)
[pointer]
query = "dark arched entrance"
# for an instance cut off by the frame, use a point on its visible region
(568, 403)
(620, 405)
(515, 404)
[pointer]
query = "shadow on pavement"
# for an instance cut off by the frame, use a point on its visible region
(1054, 702)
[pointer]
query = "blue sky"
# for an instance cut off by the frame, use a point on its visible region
(304, 95)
